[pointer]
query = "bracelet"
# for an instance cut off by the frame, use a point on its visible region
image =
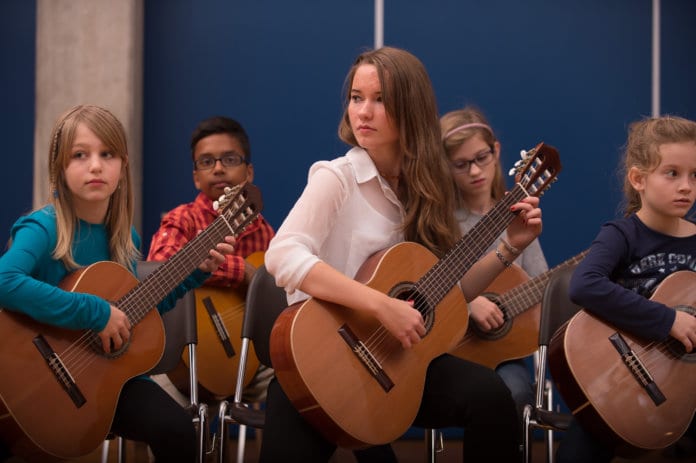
(502, 258)
(511, 249)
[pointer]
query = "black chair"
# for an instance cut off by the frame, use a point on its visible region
(180, 332)
(556, 309)
(264, 302)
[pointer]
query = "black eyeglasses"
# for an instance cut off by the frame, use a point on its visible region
(228, 160)
(463, 166)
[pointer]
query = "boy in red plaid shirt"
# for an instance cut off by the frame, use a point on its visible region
(221, 158)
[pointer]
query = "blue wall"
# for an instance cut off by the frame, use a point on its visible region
(17, 53)
(572, 74)
(267, 64)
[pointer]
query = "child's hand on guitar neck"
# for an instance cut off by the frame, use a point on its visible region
(217, 255)
(684, 329)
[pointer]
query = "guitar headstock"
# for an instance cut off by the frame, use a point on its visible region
(537, 169)
(239, 205)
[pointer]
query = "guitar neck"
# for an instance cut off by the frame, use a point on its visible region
(529, 293)
(438, 281)
(146, 295)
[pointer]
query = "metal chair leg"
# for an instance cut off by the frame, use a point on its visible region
(241, 442)
(222, 431)
(434, 444)
(121, 449)
(105, 451)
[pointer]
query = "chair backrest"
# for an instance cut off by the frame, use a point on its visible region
(556, 306)
(264, 302)
(179, 324)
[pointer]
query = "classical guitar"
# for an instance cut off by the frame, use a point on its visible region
(59, 389)
(219, 315)
(634, 394)
(519, 298)
(344, 372)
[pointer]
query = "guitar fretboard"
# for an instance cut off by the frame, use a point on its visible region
(527, 294)
(146, 295)
(438, 281)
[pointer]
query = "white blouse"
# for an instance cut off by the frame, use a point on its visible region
(346, 213)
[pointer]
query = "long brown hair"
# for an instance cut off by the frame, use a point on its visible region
(119, 217)
(409, 101)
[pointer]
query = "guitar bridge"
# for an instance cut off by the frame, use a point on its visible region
(636, 367)
(61, 373)
(219, 326)
(366, 358)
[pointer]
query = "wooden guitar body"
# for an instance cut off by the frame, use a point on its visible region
(59, 426)
(328, 380)
(640, 399)
(519, 298)
(516, 338)
(219, 318)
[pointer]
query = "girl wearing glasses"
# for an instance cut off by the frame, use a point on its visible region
(473, 152)
(391, 186)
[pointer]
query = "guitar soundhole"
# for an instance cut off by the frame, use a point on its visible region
(408, 292)
(502, 330)
(675, 347)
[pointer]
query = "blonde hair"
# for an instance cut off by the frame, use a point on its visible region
(460, 126)
(643, 149)
(119, 216)
(409, 101)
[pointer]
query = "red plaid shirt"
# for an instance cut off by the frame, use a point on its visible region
(183, 223)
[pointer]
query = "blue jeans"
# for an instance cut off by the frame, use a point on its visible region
(516, 376)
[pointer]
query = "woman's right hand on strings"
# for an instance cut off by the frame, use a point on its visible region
(403, 321)
(116, 332)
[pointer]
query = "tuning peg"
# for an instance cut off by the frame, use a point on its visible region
(523, 154)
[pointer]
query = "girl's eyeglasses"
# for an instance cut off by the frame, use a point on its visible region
(463, 166)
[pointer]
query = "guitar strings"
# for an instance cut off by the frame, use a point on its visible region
(651, 357)
(232, 313)
(380, 343)
(440, 279)
(526, 295)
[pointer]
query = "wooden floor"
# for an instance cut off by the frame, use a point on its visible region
(407, 451)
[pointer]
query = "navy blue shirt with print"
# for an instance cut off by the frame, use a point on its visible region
(626, 263)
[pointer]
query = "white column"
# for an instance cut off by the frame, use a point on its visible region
(379, 24)
(88, 52)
